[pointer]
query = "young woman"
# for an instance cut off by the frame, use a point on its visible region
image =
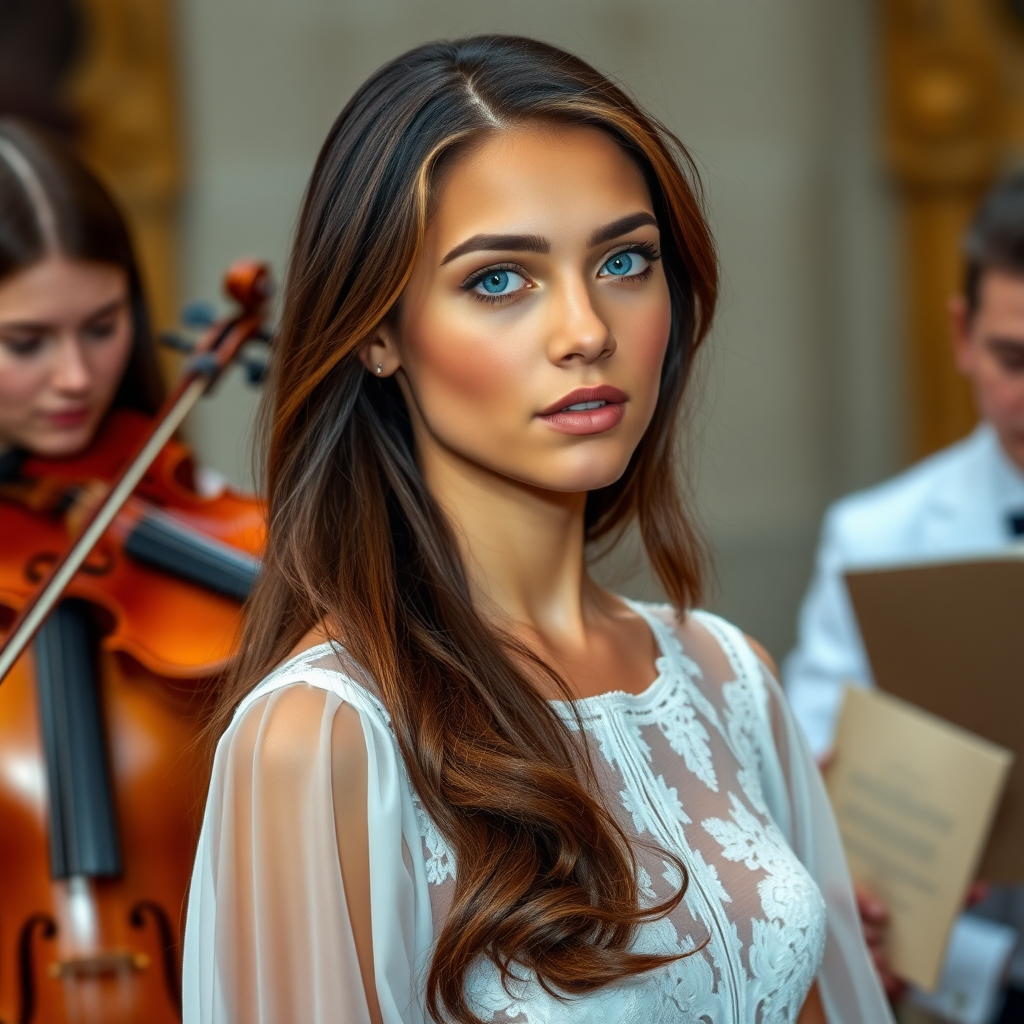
(74, 334)
(459, 781)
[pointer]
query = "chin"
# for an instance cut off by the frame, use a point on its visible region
(577, 479)
(1016, 453)
(62, 445)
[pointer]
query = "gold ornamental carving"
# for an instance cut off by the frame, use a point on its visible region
(950, 102)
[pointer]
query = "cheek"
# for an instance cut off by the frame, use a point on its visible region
(642, 335)
(648, 335)
(108, 362)
(461, 365)
(1011, 397)
(21, 381)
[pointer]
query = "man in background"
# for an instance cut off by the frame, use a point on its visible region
(965, 500)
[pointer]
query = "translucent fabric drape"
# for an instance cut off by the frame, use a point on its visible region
(268, 935)
(706, 761)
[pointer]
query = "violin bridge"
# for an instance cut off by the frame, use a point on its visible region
(116, 961)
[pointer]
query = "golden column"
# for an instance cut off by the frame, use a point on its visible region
(124, 92)
(944, 113)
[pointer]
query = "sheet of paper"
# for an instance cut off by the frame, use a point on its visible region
(914, 798)
(949, 638)
(974, 974)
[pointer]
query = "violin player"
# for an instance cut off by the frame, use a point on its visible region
(98, 776)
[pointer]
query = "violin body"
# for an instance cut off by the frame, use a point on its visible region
(102, 771)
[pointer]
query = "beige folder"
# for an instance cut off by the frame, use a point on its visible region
(949, 638)
(914, 798)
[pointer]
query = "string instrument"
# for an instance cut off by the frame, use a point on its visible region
(111, 644)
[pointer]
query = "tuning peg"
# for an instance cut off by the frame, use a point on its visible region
(198, 314)
(255, 371)
(170, 340)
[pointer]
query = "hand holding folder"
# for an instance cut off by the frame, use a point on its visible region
(914, 798)
(917, 782)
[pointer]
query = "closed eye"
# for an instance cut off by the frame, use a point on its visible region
(1009, 353)
(23, 347)
(100, 330)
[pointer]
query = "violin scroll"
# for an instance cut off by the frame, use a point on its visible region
(248, 283)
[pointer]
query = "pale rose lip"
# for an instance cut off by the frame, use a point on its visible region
(587, 421)
(593, 421)
(71, 418)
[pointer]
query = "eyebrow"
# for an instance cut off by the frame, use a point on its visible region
(111, 307)
(499, 243)
(537, 243)
(31, 325)
(621, 226)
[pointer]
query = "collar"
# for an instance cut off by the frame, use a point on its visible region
(1007, 476)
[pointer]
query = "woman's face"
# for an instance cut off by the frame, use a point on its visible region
(530, 338)
(65, 340)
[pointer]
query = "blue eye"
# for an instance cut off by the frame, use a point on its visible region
(498, 282)
(624, 264)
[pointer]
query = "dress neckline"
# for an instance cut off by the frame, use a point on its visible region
(666, 666)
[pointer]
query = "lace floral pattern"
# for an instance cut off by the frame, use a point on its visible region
(705, 771)
(681, 765)
(438, 856)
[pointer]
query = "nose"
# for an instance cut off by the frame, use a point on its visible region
(580, 334)
(71, 374)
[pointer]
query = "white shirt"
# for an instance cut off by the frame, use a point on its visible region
(706, 763)
(956, 503)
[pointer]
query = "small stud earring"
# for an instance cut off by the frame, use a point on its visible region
(380, 367)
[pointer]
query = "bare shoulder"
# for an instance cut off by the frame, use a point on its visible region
(348, 749)
(271, 748)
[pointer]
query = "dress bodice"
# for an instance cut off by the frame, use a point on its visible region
(704, 763)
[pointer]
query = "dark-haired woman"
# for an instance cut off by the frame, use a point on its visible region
(74, 333)
(459, 781)
(96, 820)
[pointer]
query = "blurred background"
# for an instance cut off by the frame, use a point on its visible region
(842, 145)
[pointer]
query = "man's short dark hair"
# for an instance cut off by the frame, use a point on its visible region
(995, 238)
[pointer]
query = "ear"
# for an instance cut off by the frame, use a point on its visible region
(380, 353)
(960, 329)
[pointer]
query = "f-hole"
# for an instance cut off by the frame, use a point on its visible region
(47, 929)
(137, 917)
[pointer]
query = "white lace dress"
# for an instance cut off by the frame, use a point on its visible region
(706, 762)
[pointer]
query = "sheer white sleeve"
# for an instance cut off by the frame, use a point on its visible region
(273, 920)
(829, 652)
(796, 796)
(318, 879)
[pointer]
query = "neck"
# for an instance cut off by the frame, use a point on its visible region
(523, 547)
(1009, 455)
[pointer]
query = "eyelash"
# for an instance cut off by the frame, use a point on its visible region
(101, 330)
(474, 279)
(646, 249)
(23, 348)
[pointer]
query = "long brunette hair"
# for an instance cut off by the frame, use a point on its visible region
(50, 202)
(546, 879)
